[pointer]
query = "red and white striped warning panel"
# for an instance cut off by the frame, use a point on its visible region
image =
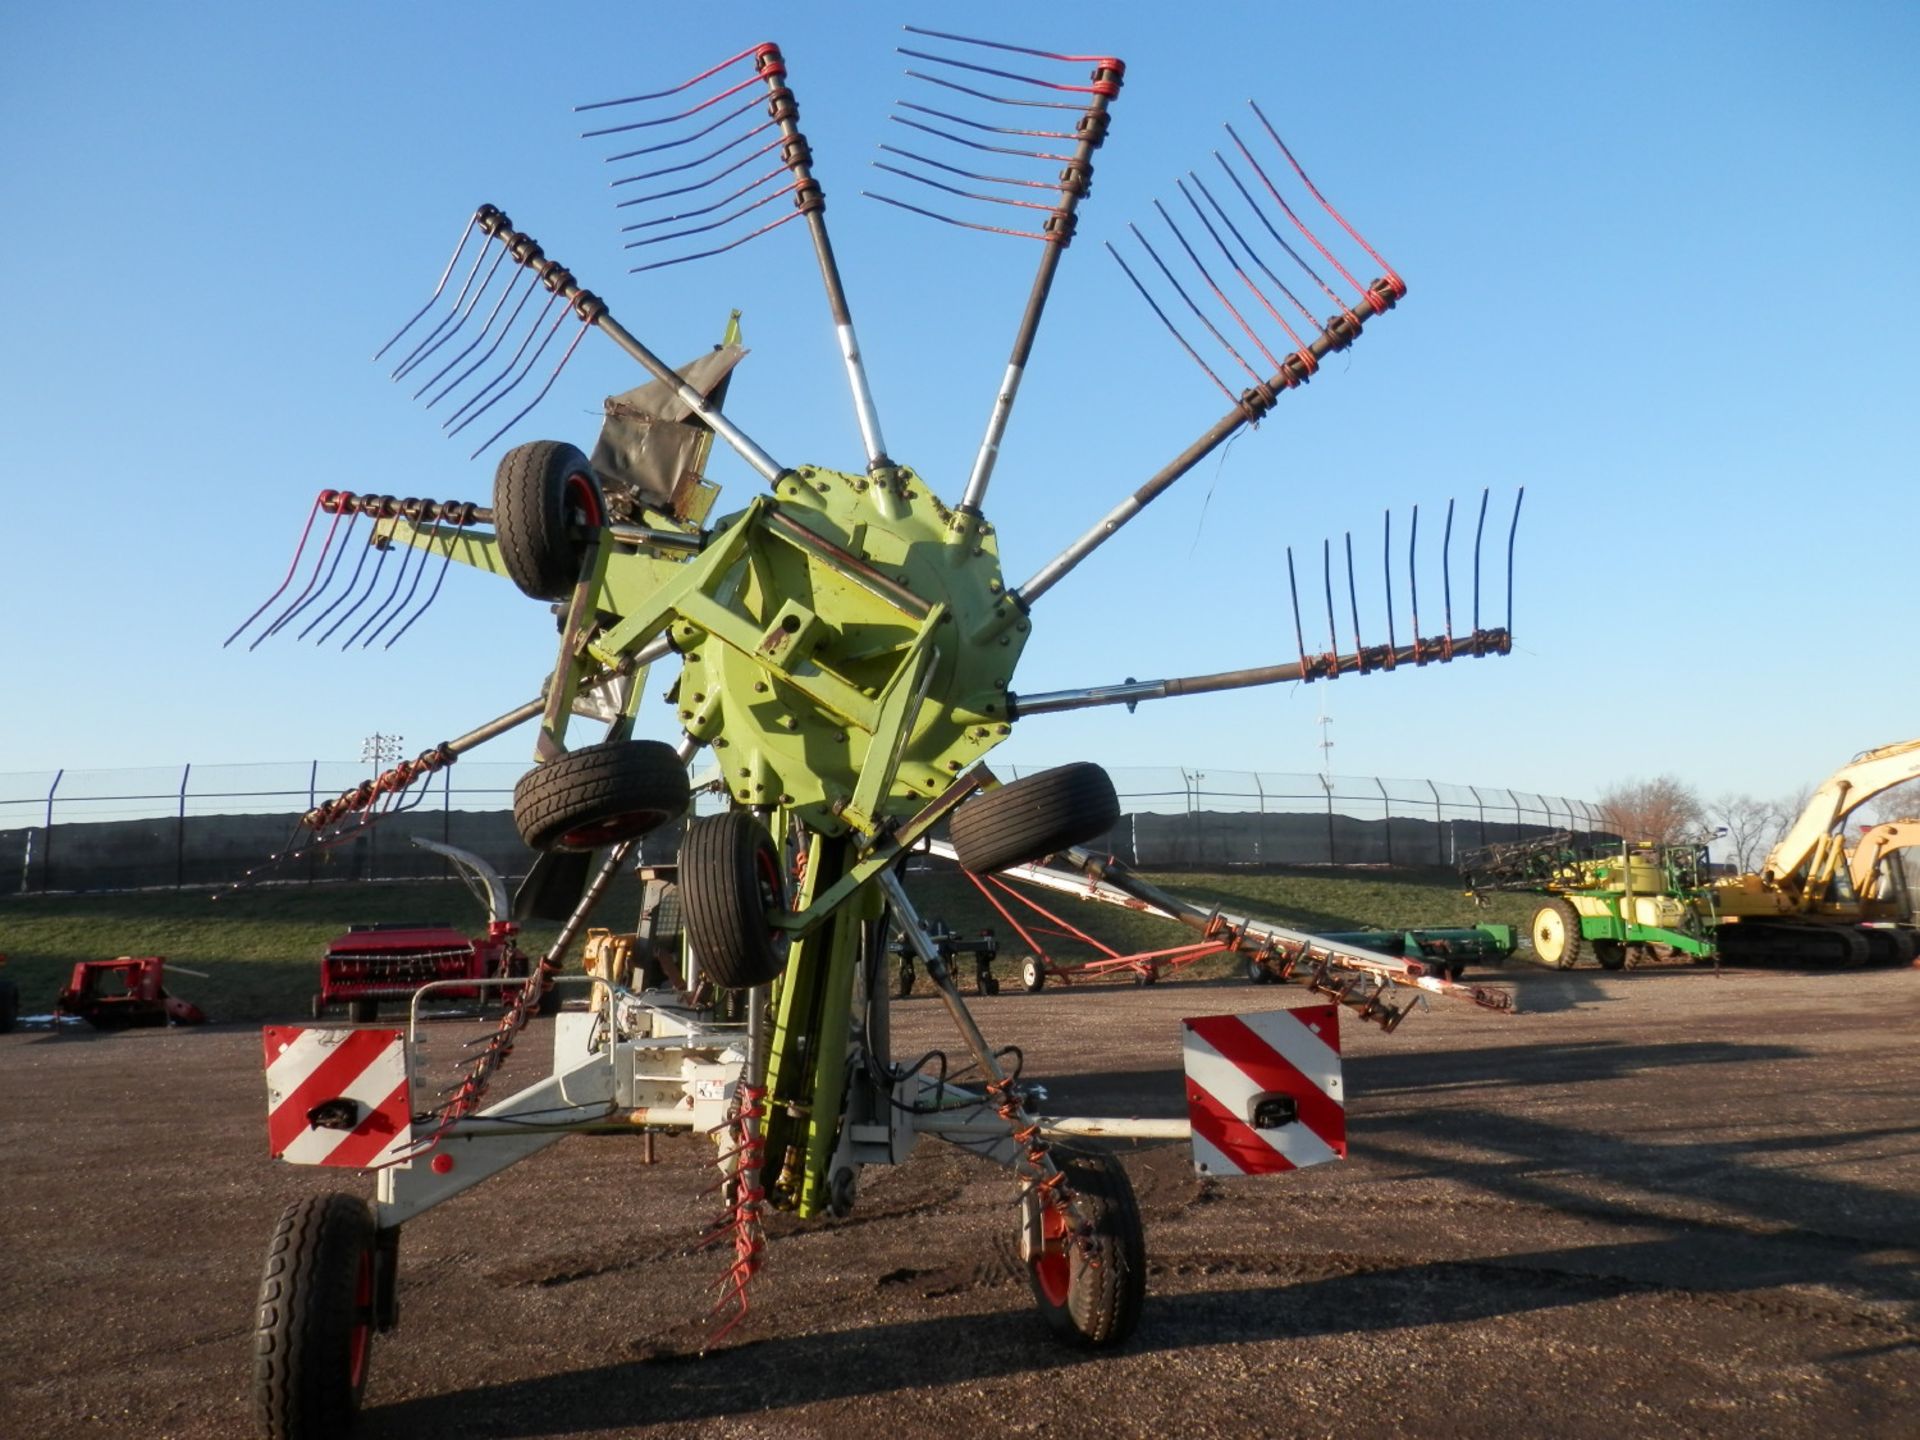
(1263, 1091)
(337, 1097)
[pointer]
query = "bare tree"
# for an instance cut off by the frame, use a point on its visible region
(1902, 802)
(1661, 810)
(1752, 827)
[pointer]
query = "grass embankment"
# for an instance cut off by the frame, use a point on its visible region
(260, 948)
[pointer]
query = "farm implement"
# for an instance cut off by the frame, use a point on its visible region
(847, 646)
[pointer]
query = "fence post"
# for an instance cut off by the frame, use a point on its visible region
(1439, 827)
(1481, 806)
(313, 802)
(180, 831)
(46, 850)
(1326, 784)
(1516, 813)
(1386, 816)
(446, 810)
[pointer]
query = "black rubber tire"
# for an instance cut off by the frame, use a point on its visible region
(9, 1005)
(1033, 975)
(316, 1319)
(540, 492)
(1556, 927)
(317, 1007)
(1258, 974)
(986, 984)
(903, 978)
(730, 888)
(600, 795)
(1611, 954)
(1091, 1295)
(363, 1012)
(1034, 816)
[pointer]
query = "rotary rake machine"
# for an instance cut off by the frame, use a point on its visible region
(847, 646)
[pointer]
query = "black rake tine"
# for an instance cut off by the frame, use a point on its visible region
(300, 600)
(292, 570)
(486, 283)
(1207, 225)
(1172, 330)
(1293, 590)
(339, 555)
(739, 139)
(976, 144)
(983, 125)
(1353, 597)
(988, 95)
(1254, 255)
(705, 209)
(444, 275)
(513, 283)
(1446, 569)
(533, 329)
(750, 235)
(1478, 529)
(683, 140)
(955, 190)
(418, 571)
(446, 562)
(1413, 571)
(971, 174)
(1326, 575)
(353, 582)
(373, 582)
(711, 224)
(713, 179)
(573, 345)
(407, 364)
(1513, 529)
(533, 284)
(406, 557)
(1386, 574)
(1211, 329)
(1278, 238)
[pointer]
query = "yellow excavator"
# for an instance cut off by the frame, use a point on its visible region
(1808, 902)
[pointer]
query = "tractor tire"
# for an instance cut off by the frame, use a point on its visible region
(315, 1324)
(600, 795)
(729, 890)
(1033, 975)
(1556, 937)
(1033, 817)
(539, 492)
(1611, 954)
(363, 1012)
(1090, 1289)
(9, 1005)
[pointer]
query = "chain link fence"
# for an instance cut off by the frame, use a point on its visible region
(76, 830)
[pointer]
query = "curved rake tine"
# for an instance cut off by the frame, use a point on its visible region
(512, 383)
(684, 139)
(713, 179)
(955, 190)
(459, 323)
(399, 578)
(986, 95)
(533, 284)
(1386, 574)
(418, 571)
(971, 174)
(1353, 597)
(1478, 529)
(1212, 330)
(740, 139)
(571, 347)
(950, 117)
(1326, 575)
(353, 582)
(1234, 230)
(452, 261)
(979, 144)
(711, 224)
(1446, 571)
(533, 329)
(292, 570)
(1293, 591)
(1292, 215)
(1207, 275)
(446, 561)
(1513, 529)
(473, 344)
(373, 581)
(1314, 190)
(1278, 238)
(1172, 330)
(718, 249)
(1413, 571)
(750, 186)
(346, 539)
(710, 101)
(433, 334)
(300, 600)
(944, 219)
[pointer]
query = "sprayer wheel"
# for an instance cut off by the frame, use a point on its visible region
(1033, 975)
(1034, 816)
(540, 492)
(729, 891)
(1611, 954)
(316, 1320)
(1090, 1288)
(1555, 933)
(600, 795)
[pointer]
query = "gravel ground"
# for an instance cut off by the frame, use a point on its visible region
(1657, 1203)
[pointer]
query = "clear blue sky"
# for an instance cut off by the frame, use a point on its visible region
(1659, 260)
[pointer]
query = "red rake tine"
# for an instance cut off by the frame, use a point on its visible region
(292, 570)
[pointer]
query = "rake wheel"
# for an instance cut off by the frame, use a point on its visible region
(1034, 816)
(538, 490)
(729, 890)
(600, 795)
(316, 1320)
(1090, 1288)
